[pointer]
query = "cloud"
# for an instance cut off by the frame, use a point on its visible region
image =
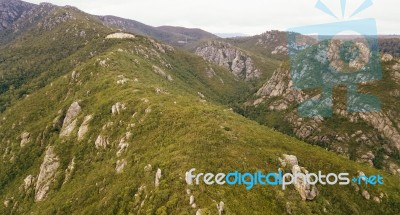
(249, 17)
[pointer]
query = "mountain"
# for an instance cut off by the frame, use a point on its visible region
(177, 36)
(11, 10)
(99, 121)
(191, 33)
(231, 35)
(371, 138)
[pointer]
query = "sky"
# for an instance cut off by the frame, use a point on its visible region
(249, 17)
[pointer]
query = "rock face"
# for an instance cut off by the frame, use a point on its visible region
(280, 95)
(11, 11)
(83, 129)
(223, 54)
(70, 120)
(279, 85)
(47, 173)
(158, 177)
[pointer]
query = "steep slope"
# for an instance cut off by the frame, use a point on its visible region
(11, 11)
(101, 122)
(371, 138)
(116, 135)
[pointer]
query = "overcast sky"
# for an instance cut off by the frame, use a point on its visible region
(234, 16)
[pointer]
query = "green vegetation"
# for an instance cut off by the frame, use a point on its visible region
(172, 128)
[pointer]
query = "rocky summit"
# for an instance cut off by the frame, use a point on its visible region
(104, 115)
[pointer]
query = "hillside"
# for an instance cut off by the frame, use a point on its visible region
(99, 121)
(177, 36)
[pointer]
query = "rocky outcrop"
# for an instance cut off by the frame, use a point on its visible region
(162, 73)
(221, 207)
(119, 168)
(29, 183)
(25, 138)
(120, 36)
(11, 11)
(306, 191)
(230, 57)
(101, 142)
(69, 170)
(70, 120)
(387, 57)
(157, 178)
(83, 129)
(279, 85)
(47, 173)
(118, 108)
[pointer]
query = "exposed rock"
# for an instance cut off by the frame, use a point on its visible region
(365, 194)
(120, 36)
(387, 58)
(7, 203)
(70, 120)
(210, 72)
(157, 178)
(162, 73)
(29, 182)
(122, 80)
(122, 146)
(279, 85)
(221, 207)
(25, 138)
(74, 76)
(101, 142)
(47, 173)
(191, 200)
(117, 108)
(120, 166)
(377, 199)
(83, 129)
(368, 158)
(290, 159)
(198, 212)
(306, 191)
(224, 54)
(148, 168)
(69, 171)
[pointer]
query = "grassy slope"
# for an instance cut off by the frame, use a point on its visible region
(180, 133)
